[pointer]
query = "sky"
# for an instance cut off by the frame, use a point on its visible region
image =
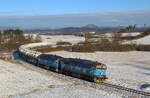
(49, 7)
(30, 14)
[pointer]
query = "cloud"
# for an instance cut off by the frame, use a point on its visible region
(139, 17)
(114, 21)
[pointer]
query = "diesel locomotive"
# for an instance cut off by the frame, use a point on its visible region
(80, 68)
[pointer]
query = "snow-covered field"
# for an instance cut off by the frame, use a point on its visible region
(69, 92)
(124, 34)
(56, 38)
(53, 39)
(76, 39)
(21, 81)
(131, 34)
(144, 40)
(16, 79)
(129, 69)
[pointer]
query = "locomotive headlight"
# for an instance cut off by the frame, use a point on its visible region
(104, 66)
(99, 67)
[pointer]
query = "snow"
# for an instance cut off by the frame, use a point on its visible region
(56, 38)
(16, 79)
(129, 69)
(131, 34)
(124, 34)
(75, 39)
(21, 81)
(70, 92)
(144, 40)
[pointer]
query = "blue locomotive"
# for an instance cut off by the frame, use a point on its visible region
(49, 61)
(80, 68)
(84, 69)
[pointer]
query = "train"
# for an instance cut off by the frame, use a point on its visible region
(80, 68)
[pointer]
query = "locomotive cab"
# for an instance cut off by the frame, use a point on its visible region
(99, 73)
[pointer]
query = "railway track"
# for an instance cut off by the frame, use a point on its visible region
(125, 92)
(134, 91)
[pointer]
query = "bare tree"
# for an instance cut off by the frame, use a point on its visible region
(117, 38)
(38, 38)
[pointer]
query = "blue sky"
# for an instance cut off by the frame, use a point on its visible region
(29, 14)
(47, 7)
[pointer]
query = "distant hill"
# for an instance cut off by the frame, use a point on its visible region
(92, 26)
(76, 30)
(5, 27)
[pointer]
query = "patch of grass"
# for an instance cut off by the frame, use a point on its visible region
(51, 49)
(143, 47)
(104, 46)
(63, 43)
(35, 90)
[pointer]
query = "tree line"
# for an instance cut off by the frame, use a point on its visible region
(11, 39)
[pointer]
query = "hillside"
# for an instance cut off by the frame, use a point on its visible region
(145, 40)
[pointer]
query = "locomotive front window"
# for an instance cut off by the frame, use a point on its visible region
(98, 67)
(101, 66)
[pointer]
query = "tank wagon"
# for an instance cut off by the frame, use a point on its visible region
(27, 53)
(80, 68)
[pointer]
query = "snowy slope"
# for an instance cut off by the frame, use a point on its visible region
(144, 40)
(23, 81)
(76, 39)
(56, 38)
(16, 79)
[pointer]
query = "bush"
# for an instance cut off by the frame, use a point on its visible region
(103, 45)
(51, 49)
(98, 47)
(145, 33)
(143, 48)
(11, 39)
(63, 43)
